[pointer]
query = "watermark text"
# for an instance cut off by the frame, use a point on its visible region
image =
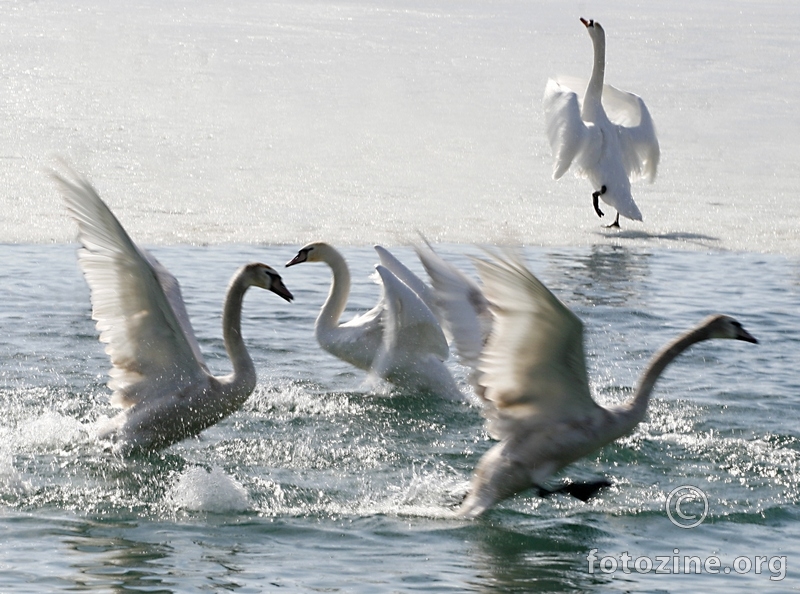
(676, 563)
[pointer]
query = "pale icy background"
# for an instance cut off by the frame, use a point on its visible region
(360, 122)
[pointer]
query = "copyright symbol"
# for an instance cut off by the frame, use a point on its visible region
(686, 506)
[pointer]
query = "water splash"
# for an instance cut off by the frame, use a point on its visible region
(11, 481)
(198, 489)
(432, 490)
(50, 431)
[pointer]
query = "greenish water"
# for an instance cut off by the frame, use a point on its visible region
(319, 484)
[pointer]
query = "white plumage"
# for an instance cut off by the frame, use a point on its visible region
(536, 388)
(400, 339)
(461, 306)
(158, 374)
(608, 135)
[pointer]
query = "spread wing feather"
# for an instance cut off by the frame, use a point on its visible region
(136, 302)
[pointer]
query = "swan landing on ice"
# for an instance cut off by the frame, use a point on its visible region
(608, 136)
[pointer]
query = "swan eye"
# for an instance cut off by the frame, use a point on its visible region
(591, 22)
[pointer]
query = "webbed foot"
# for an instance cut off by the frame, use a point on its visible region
(582, 491)
(614, 224)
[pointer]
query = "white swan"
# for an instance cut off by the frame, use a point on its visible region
(399, 339)
(158, 374)
(609, 135)
(533, 370)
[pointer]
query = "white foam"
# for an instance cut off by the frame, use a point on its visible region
(288, 400)
(432, 493)
(50, 431)
(11, 480)
(208, 491)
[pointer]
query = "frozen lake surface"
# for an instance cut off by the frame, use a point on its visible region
(277, 122)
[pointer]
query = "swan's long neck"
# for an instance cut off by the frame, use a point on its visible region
(594, 90)
(632, 414)
(340, 290)
(242, 381)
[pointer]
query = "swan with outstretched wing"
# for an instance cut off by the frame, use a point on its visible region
(536, 388)
(158, 375)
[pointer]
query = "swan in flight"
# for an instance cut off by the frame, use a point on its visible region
(539, 406)
(158, 376)
(609, 135)
(399, 340)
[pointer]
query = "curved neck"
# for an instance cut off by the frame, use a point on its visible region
(594, 90)
(340, 290)
(243, 379)
(635, 410)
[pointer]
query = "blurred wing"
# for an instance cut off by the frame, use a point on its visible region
(568, 134)
(409, 326)
(462, 306)
(637, 134)
(533, 367)
(151, 346)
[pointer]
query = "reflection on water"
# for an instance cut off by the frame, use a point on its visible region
(104, 561)
(517, 555)
(608, 275)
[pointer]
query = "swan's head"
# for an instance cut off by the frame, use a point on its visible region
(312, 252)
(721, 326)
(594, 28)
(261, 275)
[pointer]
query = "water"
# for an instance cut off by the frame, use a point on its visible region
(319, 483)
(222, 133)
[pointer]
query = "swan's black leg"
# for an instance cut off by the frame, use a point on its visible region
(595, 201)
(582, 491)
(615, 223)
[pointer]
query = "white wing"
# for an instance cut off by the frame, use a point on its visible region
(461, 304)
(637, 133)
(357, 340)
(136, 303)
(172, 291)
(570, 137)
(409, 327)
(533, 367)
(401, 271)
